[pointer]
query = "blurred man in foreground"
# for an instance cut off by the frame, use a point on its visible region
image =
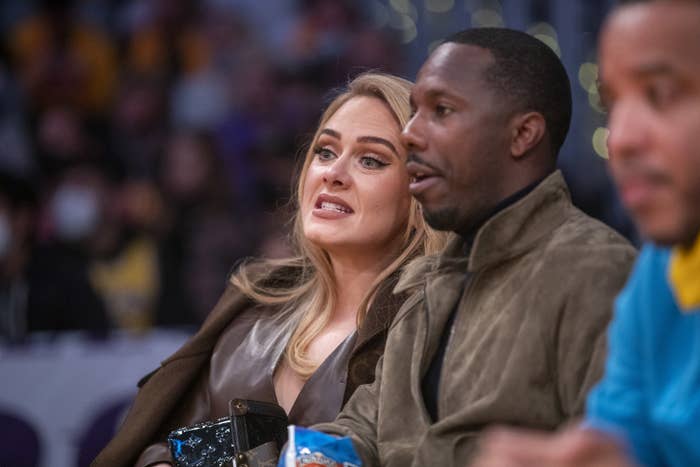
(646, 410)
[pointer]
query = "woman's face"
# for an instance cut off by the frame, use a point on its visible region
(355, 197)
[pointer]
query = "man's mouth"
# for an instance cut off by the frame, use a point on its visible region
(639, 185)
(421, 176)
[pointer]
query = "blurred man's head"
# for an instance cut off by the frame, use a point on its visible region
(650, 81)
(491, 109)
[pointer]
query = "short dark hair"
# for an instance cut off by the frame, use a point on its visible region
(528, 73)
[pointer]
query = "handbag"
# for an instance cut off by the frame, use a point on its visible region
(251, 436)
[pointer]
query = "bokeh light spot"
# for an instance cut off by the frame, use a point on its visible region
(600, 141)
(405, 7)
(542, 28)
(588, 77)
(551, 42)
(439, 6)
(487, 19)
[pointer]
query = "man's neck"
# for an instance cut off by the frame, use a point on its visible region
(469, 234)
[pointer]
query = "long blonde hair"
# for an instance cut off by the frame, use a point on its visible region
(313, 293)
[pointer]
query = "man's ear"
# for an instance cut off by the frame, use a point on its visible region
(528, 130)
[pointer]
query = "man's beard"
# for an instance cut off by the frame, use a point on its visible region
(446, 219)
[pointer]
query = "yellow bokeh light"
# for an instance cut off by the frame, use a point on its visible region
(404, 7)
(600, 141)
(594, 102)
(408, 29)
(551, 42)
(542, 28)
(474, 5)
(487, 18)
(439, 6)
(588, 77)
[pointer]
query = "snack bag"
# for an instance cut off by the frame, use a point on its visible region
(309, 448)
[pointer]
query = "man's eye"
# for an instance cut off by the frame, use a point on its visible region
(323, 154)
(442, 110)
(369, 162)
(660, 94)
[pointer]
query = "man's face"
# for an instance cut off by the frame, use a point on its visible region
(457, 139)
(650, 80)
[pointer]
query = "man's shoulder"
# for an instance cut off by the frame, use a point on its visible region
(583, 253)
(582, 234)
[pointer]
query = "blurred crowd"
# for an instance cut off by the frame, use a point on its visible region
(146, 146)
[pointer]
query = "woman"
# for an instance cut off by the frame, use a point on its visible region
(306, 331)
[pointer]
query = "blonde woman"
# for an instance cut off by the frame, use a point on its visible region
(306, 331)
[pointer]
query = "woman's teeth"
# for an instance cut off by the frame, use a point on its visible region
(334, 207)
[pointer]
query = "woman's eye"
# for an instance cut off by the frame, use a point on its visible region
(369, 162)
(324, 154)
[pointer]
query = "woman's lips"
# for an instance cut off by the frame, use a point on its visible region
(331, 207)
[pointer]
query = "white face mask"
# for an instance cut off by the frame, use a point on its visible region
(75, 212)
(5, 235)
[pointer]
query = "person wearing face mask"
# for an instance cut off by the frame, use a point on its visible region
(61, 296)
(303, 332)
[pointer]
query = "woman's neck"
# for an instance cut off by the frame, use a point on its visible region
(354, 278)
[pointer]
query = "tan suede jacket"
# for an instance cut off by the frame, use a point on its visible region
(527, 341)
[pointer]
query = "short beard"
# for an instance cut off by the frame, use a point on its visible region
(445, 219)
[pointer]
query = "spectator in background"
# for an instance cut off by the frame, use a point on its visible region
(139, 125)
(112, 93)
(646, 409)
(61, 296)
(207, 230)
(322, 315)
(17, 225)
(166, 43)
(63, 61)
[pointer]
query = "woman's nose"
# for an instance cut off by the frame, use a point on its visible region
(338, 172)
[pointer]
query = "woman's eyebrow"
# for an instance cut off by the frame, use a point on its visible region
(329, 132)
(378, 140)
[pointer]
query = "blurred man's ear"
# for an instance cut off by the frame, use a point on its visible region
(528, 129)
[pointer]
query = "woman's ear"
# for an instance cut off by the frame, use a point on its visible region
(528, 130)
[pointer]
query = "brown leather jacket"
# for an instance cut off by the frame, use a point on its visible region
(166, 397)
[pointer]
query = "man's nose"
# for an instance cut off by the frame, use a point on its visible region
(413, 134)
(628, 129)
